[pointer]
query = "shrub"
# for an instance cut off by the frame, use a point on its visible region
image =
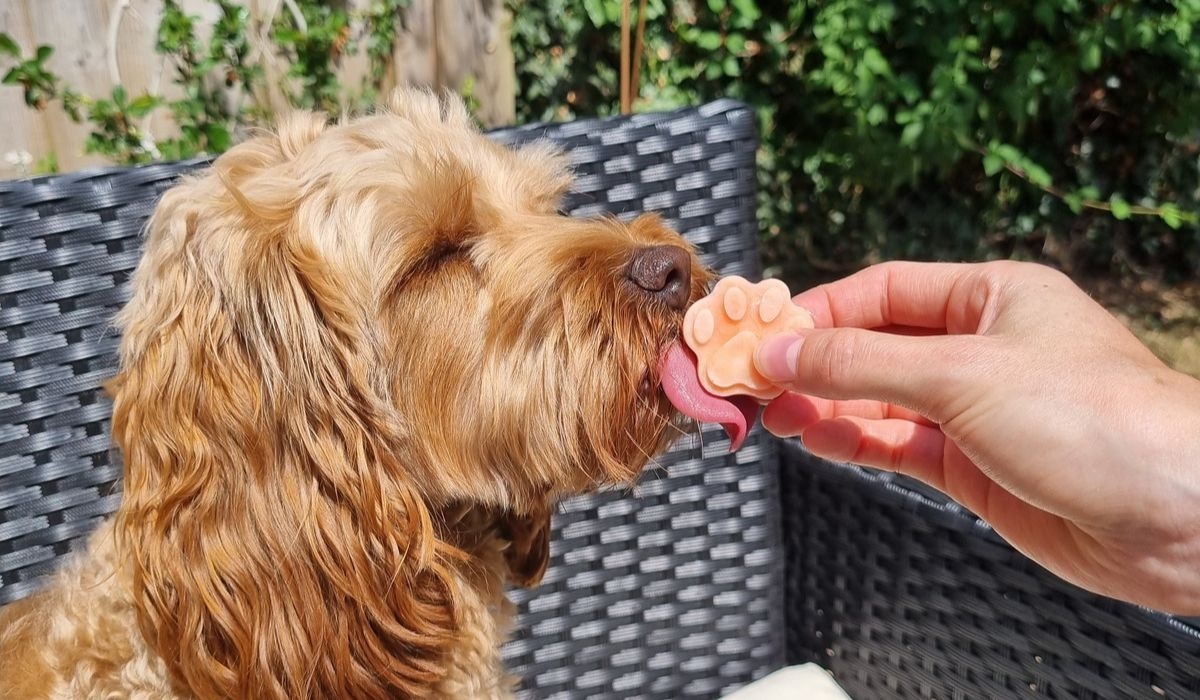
(1058, 131)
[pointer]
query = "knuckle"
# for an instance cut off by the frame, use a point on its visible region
(832, 358)
(1003, 272)
(1003, 268)
(967, 365)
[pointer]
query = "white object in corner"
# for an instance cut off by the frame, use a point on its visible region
(805, 682)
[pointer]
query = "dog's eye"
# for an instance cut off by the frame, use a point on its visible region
(433, 261)
(438, 256)
(442, 254)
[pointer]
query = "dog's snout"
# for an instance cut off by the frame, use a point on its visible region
(664, 272)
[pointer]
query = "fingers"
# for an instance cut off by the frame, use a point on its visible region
(895, 293)
(791, 413)
(920, 451)
(919, 373)
(890, 444)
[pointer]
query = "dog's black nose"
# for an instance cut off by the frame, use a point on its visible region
(664, 272)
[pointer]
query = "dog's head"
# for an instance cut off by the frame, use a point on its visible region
(336, 332)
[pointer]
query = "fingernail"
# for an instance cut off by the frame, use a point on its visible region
(776, 357)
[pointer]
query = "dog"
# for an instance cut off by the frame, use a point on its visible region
(360, 365)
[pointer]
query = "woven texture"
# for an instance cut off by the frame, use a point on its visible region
(665, 592)
(67, 246)
(903, 594)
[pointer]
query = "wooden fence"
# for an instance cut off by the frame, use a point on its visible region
(102, 43)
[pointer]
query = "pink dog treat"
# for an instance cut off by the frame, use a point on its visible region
(725, 327)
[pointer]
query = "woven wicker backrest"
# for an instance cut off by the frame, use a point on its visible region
(671, 590)
(902, 593)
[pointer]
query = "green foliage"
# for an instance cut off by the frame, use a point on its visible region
(30, 73)
(1062, 131)
(115, 125)
(218, 80)
(205, 118)
(313, 51)
(383, 19)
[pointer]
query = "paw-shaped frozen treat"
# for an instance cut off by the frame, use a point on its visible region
(724, 328)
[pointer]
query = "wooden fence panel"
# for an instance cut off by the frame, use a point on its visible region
(100, 43)
(24, 131)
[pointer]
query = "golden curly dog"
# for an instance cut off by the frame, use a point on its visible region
(360, 365)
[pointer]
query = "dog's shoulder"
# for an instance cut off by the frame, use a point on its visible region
(24, 627)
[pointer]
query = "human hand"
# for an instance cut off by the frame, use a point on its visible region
(1006, 387)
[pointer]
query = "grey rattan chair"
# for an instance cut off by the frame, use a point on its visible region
(717, 570)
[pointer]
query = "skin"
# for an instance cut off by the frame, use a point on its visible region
(1006, 387)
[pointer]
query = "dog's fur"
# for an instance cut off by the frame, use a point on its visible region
(360, 365)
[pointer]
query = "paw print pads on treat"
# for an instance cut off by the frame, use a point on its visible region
(725, 327)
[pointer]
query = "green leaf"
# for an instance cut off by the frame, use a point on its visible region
(1090, 59)
(1037, 174)
(747, 10)
(717, 5)
(1044, 13)
(875, 62)
(992, 164)
(9, 46)
(1120, 208)
(1008, 153)
(93, 144)
(708, 40)
(1074, 202)
(44, 52)
(911, 133)
(1005, 21)
(47, 164)
(731, 66)
(877, 114)
(218, 138)
(143, 105)
(1171, 215)
(612, 12)
(595, 11)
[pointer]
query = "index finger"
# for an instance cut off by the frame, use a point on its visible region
(902, 294)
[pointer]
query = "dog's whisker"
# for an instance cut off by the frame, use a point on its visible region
(699, 435)
(650, 459)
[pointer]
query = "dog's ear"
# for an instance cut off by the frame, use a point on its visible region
(278, 548)
(528, 553)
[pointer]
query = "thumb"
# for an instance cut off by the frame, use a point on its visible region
(921, 373)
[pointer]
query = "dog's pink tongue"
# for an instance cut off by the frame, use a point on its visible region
(682, 385)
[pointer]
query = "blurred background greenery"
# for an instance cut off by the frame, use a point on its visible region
(925, 128)
(1066, 132)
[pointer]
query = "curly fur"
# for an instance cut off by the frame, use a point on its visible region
(360, 365)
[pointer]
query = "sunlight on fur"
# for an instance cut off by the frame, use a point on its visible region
(361, 364)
